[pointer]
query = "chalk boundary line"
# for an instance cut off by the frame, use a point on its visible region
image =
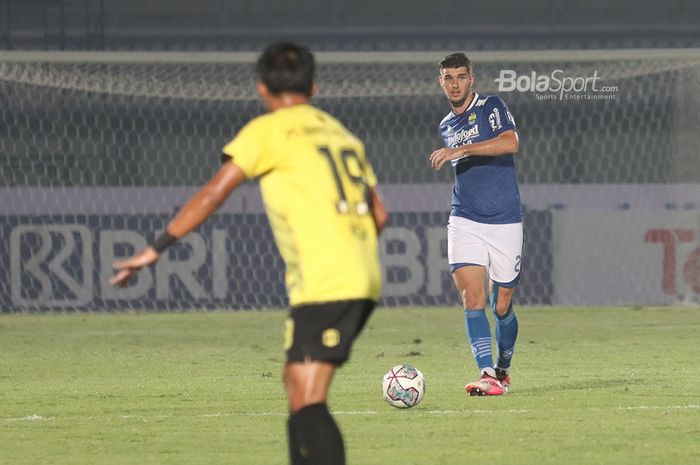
(35, 417)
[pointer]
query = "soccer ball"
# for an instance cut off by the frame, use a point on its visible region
(403, 386)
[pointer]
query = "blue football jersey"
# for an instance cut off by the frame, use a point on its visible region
(486, 188)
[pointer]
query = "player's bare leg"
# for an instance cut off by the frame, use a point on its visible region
(307, 383)
(505, 296)
(470, 281)
(471, 284)
(314, 437)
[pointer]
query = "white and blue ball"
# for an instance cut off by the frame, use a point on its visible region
(403, 386)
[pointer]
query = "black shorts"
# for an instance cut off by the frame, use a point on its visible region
(325, 332)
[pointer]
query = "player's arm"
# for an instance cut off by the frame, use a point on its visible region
(376, 204)
(381, 216)
(506, 143)
(207, 200)
(197, 209)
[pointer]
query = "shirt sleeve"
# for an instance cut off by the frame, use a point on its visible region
(249, 151)
(499, 117)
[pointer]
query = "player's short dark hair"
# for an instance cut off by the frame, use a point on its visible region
(456, 60)
(286, 67)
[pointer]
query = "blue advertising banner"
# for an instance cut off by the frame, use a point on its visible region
(64, 262)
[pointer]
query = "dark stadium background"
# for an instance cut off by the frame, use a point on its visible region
(347, 25)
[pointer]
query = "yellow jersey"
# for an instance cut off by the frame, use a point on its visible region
(314, 179)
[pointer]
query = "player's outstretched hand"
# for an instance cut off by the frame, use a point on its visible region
(129, 267)
(442, 156)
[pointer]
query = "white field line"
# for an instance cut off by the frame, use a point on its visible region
(387, 411)
(659, 407)
(29, 418)
(273, 414)
(376, 412)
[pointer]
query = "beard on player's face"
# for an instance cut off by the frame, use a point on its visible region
(458, 103)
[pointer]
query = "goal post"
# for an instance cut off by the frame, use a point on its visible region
(98, 149)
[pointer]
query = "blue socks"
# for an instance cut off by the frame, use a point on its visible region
(506, 332)
(479, 334)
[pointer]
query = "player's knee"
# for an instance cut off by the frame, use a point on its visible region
(307, 383)
(502, 304)
(473, 297)
(502, 307)
(300, 398)
(296, 394)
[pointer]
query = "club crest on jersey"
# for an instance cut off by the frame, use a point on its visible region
(471, 119)
(463, 136)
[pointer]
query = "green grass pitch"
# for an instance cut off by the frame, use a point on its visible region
(590, 386)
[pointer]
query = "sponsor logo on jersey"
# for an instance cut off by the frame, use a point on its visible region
(480, 102)
(463, 136)
(495, 119)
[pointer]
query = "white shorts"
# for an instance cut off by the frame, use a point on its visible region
(498, 247)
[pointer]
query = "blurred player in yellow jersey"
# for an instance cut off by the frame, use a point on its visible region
(321, 199)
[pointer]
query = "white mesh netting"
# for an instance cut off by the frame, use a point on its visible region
(96, 154)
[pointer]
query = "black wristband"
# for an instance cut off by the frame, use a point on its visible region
(164, 241)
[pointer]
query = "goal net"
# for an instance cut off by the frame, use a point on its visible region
(97, 151)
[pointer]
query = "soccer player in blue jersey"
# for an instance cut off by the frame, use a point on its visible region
(485, 230)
